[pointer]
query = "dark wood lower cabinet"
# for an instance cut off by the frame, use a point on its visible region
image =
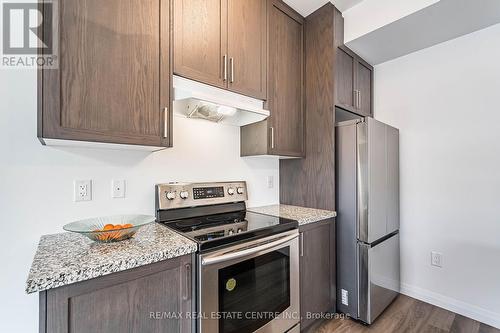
(144, 299)
(317, 271)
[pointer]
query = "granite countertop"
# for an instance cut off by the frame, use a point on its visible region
(302, 214)
(66, 258)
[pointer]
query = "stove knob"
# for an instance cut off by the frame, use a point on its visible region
(184, 194)
(239, 230)
(230, 232)
(239, 190)
(230, 191)
(170, 195)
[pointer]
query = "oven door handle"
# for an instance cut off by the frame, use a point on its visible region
(243, 253)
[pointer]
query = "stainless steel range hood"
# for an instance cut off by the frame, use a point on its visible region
(201, 101)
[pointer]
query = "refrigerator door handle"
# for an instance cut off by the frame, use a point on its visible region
(363, 283)
(362, 181)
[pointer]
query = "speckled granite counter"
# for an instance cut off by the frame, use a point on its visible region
(66, 258)
(302, 214)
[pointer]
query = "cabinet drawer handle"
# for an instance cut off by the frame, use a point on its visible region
(231, 67)
(272, 137)
(359, 99)
(165, 122)
(224, 67)
(187, 281)
(301, 244)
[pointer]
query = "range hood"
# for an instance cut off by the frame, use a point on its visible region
(201, 101)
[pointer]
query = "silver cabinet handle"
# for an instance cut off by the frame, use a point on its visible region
(231, 66)
(187, 289)
(224, 67)
(355, 98)
(272, 137)
(165, 122)
(301, 244)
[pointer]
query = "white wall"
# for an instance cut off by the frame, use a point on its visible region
(444, 100)
(36, 183)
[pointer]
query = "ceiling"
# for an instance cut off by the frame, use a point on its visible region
(306, 7)
(440, 22)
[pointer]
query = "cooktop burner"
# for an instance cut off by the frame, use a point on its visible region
(220, 229)
(187, 224)
(204, 222)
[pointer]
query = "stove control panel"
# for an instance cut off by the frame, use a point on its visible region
(181, 195)
(208, 192)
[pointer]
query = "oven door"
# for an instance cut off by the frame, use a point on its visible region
(251, 287)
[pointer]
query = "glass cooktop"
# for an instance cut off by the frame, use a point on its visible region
(222, 229)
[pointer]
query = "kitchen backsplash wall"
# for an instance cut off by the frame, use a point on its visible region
(36, 187)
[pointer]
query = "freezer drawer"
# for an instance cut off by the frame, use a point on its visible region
(379, 277)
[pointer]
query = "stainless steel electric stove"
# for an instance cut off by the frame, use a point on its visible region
(247, 264)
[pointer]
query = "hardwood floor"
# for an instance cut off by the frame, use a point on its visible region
(409, 315)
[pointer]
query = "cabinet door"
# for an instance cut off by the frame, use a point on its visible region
(317, 270)
(200, 40)
(344, 74)
(113, 81)
(364, 87)
(286, 64)
(247, 47)
(144, 299)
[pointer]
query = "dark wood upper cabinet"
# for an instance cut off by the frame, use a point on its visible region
(200, 40)
(282, 134)
(114, 76)
(123, 302)
(364, 73)
(317, 270)
(344, 78)
(286, 62)
(247, 47)
(314, 174)
(222, 43)
(353, 79)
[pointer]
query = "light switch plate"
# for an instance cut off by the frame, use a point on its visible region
(270, 182)
(118, 188)
(82, 190)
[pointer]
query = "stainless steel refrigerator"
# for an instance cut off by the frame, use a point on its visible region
(367, 225)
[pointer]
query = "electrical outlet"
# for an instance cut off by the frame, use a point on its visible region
(436, 259)
(118, 188)
(345, 297)
(270, 182)
(83, 190)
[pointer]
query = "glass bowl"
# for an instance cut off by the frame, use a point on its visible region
(109, 229)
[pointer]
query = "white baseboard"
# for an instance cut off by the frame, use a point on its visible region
(451, 304)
